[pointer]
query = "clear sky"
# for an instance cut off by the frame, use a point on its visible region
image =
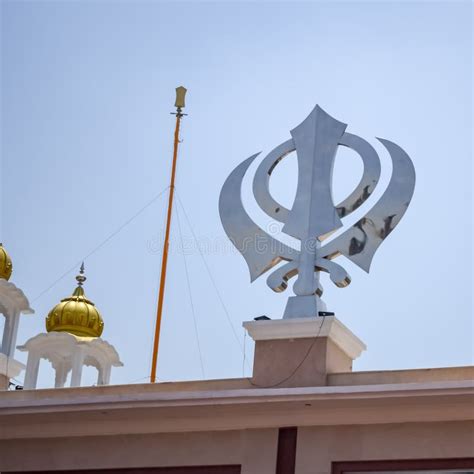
(87, 87)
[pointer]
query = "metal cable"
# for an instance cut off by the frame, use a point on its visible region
(226, 312)
(297, 367)
(112, 235)
(190, 294)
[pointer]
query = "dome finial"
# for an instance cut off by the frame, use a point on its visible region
(81, 278)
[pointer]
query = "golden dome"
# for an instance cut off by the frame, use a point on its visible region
(76, 314)
(6, 266)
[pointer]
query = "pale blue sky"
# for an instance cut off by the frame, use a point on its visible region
(87, 87)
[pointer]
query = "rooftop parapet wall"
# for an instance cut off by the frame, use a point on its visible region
(349, 379)
(102, 411)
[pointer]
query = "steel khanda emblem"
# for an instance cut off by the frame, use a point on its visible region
(314, 217)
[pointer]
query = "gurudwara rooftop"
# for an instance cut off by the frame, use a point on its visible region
(304, 409)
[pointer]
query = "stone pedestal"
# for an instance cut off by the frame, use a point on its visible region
(300, 352)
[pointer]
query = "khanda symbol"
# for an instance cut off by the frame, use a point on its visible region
(313, 216)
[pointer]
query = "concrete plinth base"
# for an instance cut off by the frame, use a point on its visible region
(300, 352)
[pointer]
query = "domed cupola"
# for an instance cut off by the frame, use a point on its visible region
(6, 266)
(76, 314)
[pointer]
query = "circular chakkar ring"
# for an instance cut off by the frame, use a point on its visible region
(363, 190)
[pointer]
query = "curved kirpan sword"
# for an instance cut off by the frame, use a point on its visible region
(313, 216)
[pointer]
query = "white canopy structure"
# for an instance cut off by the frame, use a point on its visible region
(68, 352)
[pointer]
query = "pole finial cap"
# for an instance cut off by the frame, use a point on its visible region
(180, 95)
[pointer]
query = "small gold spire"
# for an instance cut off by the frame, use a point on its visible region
(6, 266)
(81, 278)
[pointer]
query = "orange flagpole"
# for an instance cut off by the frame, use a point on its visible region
(179, 104)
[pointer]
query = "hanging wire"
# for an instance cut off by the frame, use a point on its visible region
(293, 372)
(193, 312)
(107, 239)
(140, 379)
(224, 307)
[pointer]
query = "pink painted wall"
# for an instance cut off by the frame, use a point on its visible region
(317, 447)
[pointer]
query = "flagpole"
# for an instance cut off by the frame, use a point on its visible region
(179, 104)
